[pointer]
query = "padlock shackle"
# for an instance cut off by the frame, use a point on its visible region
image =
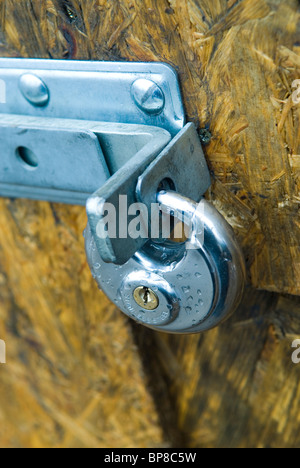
(211, 233)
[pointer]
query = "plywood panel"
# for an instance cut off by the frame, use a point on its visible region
(235, 386)
(73, 376)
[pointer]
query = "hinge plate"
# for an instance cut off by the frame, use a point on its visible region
(134, 93)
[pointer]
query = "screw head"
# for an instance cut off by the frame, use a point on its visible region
(146, 298)
(34, 90)
(205, 136)
(148, 96)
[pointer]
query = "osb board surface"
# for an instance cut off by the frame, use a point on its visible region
(75, 377)
(235, 386)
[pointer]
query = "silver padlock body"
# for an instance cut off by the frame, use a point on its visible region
(196, 288)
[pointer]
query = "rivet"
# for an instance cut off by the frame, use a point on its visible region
(148, 96)
(34, 90)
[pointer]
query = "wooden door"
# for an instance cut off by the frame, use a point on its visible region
(78, 373)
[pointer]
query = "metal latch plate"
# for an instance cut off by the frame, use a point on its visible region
(140, 179)
(100, 91)
(64, 160)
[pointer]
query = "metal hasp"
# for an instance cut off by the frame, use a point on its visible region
(114, 134)
(56, 141)
(62, 160)
(182, 161)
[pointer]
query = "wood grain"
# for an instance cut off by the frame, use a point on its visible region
(235, 386)
(74, 376)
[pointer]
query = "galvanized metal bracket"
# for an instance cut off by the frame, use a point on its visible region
(90, 132)
(181, 165)
(181, 162)
(65, 161)
(54, 144)
(128, 93)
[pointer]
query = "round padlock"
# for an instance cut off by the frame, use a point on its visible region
(186, 287)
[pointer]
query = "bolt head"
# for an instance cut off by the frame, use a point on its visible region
(205, 136)
(34, 90)
(148, 96)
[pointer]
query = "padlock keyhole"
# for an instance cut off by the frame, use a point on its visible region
(146, 298)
